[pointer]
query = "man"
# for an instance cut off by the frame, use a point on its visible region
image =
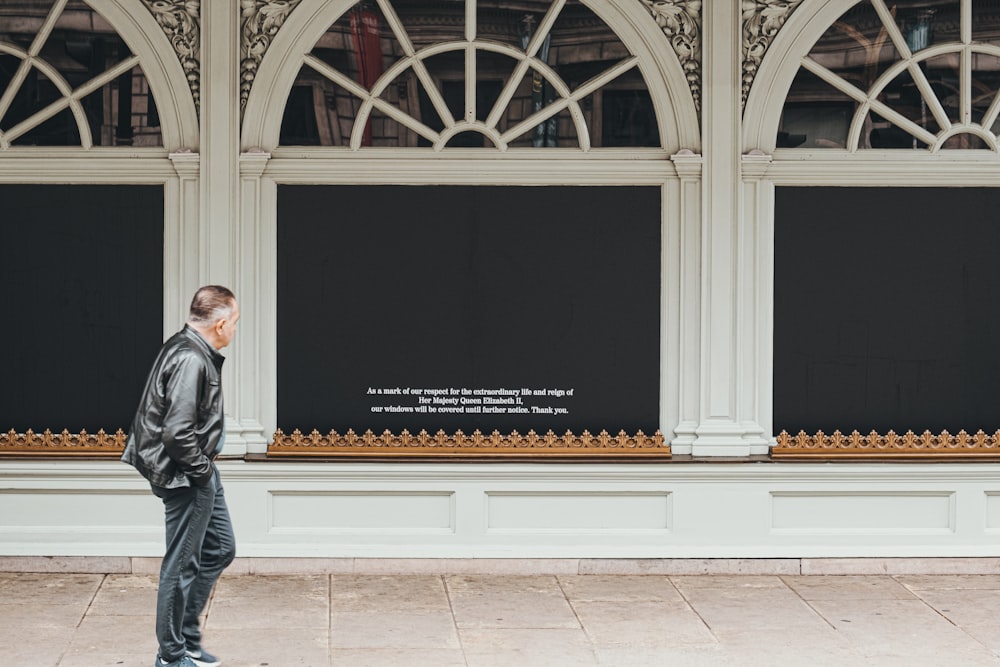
(177, 432)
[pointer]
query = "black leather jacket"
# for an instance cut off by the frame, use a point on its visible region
(180, 420)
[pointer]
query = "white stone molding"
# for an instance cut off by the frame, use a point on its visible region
(680, 21)
(180, 21)
(762, 19)
(260, 21)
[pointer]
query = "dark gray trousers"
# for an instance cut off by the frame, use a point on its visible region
(200, 545)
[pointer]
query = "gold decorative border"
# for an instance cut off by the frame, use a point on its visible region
(891, 445)
(48, 443)
(473, 445)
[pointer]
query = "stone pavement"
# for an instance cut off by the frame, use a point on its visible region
(464, 620)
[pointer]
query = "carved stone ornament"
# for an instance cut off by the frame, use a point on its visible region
(181, 21)
(762, 19)
(260, 21)
(475, 445)
(892, 446)
(63, 444)
(680, 21)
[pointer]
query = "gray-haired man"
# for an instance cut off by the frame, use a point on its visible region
(177, 432)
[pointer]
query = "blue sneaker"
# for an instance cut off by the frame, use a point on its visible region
(202, 658)
(180, 662)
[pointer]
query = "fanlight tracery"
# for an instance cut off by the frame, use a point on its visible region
(66, 78)
(902, 74)
(475, 73)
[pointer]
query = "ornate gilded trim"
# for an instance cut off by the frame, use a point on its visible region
(181, 22)
(680, 21)
(48, 443)
(474, 445)
(891, 445)
(762, 19)
(260, 21)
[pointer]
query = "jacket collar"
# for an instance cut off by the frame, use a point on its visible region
(213, 354)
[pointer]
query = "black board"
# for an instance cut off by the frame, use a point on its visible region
(81, 283)
(465, 307)
(887, 309)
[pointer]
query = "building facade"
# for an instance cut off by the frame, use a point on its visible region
(553, 278)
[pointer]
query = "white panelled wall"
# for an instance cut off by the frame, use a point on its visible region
(504, 510)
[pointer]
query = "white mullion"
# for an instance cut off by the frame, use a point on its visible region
(835, 80)
(903, 122)
(470, 82)
(990, 117)
(892, 29)
(418, 65)
(861, 97)
(965, 12)
(930, 97)
(47, 27)
(14, 86)
(470, 61)
(587, 88)
(522, 67)
(470, 20)
(336, 76)
(105, 77)
(544, 27)
(359, 91)
(965, 86)
(39, 117)
(400, 117)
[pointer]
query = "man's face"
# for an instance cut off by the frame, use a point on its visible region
(225, 329)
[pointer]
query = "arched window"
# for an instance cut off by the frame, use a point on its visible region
(68, 79)
(903, 74)
(400, 73)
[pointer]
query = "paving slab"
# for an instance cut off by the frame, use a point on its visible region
(627, 588)
(527, 647)
(339, 619)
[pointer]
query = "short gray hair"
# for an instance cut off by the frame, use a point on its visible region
(211, 303)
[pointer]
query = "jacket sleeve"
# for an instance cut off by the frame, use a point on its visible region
(180, 419)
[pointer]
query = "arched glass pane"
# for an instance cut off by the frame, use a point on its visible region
(81, 49)
(399, 70)
(927, 70)
(816, 115)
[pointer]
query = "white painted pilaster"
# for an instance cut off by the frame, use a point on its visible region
(182, 203)
(256, 289)
(756, 302)
(720, 430)
(219, 239)
(683, 321)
